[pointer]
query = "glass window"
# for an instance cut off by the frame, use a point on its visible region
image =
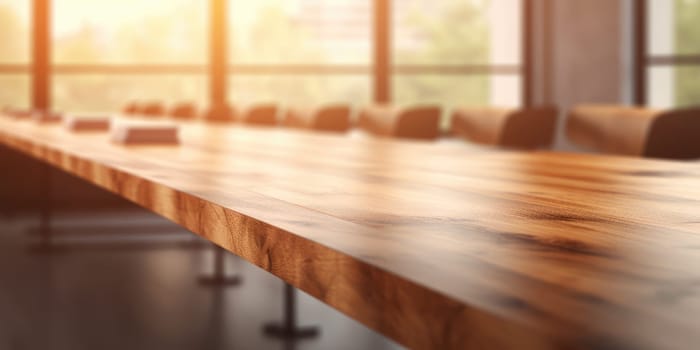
(301, 90)
(450, 32)
(14, 90)
(100, 92)
(130, 31)
(317, 34)
(673, 35)
(300, 31)
(673, 27)
(15, 53)
(429, 35)
(15, 31)
(673, 86)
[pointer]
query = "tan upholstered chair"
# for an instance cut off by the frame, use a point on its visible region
(334, 118)
(219, 114)
(636, 131)
(183, 111)
(17, 113)
(419, 122)
(524, 128)
(153, 109)
(264, 114)
(131, 108)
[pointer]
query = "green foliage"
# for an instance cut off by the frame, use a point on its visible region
(14, 37)
(276, 38)
(687, 39)
(80, 47)
(14, 40)
(456, 34)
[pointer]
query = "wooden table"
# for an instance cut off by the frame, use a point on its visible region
(434, 245)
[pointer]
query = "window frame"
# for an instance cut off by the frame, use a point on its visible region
(645, 60)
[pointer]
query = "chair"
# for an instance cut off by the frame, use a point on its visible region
(418, 122)
(526, 128)
(131, 108)
(331, 118)
(219, 114)
(18, 113)
(153, 109)
(636, 131)
(183, 111)
(264, 114)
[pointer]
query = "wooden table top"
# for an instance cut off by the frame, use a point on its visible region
(434, 245)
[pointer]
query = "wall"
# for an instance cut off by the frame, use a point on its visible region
(583, 55)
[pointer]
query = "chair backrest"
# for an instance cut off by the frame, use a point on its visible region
(131, 108)
(219, 114)
(610, 128)
(262, 114)
(525, 128)
(333, 118)
(636, 131)
(184, 111)
(152, 109)
(417, 122)
(336, 118)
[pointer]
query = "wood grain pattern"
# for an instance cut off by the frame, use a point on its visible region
(417, 122)
(433, 245)
(636, 131)
(528, 128)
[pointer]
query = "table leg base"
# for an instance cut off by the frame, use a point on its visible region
(43, 248)
(281, 331)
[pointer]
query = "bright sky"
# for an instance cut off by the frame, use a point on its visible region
(21, 7)
(70, 15)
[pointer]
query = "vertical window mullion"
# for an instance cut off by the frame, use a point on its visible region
(218, 63)
(41, 54)
(640, 52)
(382, 52)
(527, 52)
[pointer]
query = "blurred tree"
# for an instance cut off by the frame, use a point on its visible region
(173, 35)
(14, 37)
(14, 49)
(687, 36)
(276, 37)
(454, 32)
(81, 47)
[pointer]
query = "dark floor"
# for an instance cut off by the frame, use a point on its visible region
(129, 281)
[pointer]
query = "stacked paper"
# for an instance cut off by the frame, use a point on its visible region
(144, 133)
(87, 122)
